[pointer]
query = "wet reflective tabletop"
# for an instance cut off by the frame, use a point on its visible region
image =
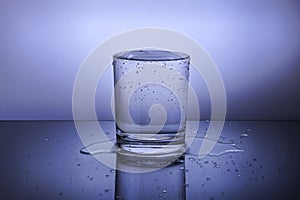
(252, 160)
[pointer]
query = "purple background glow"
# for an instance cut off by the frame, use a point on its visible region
(255, 44)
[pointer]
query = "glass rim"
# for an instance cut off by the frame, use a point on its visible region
(127, 55)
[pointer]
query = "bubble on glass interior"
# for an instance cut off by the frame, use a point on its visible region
(137, 79)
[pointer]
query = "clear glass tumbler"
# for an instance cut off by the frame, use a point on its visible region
(151, 91)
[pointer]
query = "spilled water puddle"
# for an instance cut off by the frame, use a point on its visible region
(219, 149)
(100, 147)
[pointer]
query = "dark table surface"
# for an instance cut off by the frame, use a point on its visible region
(42, 160)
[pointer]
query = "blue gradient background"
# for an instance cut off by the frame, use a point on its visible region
(255, 44)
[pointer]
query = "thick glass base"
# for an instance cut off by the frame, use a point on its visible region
(148, 144)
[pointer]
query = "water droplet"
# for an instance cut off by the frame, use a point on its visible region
(216, 165)
(191, 159)
(112, 171)
(164, 190)
(78, 164)
(244, 135)
(226, 152)
(208, 179)
(46, 139)
(181, 168)
(106, 175)
(106, 190)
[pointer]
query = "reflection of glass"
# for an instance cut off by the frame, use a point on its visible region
(165, 183)
(150, 100)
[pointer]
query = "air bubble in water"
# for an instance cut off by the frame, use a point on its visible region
(191, 159)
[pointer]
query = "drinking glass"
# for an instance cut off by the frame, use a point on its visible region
(151, 91)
